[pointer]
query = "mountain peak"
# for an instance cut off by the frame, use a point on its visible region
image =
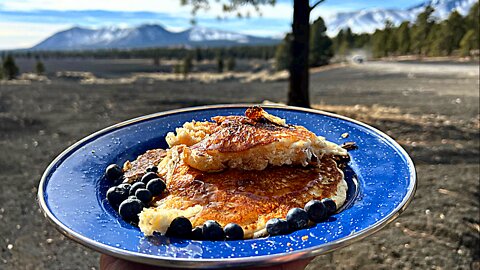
(368, 20)
(198, 34)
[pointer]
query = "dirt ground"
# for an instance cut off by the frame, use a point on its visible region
(431, 109)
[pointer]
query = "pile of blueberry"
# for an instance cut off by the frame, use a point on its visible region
(210, 230)
(129, 200)
(298, 218)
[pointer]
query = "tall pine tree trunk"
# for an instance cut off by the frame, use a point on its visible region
(299, 77)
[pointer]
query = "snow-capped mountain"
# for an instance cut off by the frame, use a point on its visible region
(153, 35)
(199, 34)
(145, 36)
(367, 21)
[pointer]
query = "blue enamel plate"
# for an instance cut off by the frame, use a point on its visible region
(381, 179)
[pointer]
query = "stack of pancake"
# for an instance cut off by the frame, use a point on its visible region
(241, 169)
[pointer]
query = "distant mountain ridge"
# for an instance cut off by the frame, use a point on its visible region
(154, 35)
(145, 36)
(367, 21)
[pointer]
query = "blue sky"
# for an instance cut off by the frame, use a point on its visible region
(23, 23)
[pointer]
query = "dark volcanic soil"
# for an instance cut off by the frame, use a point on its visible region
(431, 109)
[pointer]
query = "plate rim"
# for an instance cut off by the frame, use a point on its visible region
(226, 262)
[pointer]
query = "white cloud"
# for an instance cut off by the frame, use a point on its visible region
(15, 35)
(113, 5)
(173, 7)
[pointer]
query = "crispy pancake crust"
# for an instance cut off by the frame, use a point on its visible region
(239, 133)
(136, 169)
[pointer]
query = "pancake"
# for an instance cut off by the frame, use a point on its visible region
(250, 142)
(248, 198)
(240, 169)
(190, 133)
(134, 170)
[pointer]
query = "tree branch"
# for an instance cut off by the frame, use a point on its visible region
(316, 4)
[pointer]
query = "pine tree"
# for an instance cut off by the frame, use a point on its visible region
(348, 38)
(282, 54)
(187, 65)
(320, 44)
(468, 43)
(156, 59)
(451, 32)
(436, 41)
(473, 23)
(421, 31)
(338, 40)
(379, 44)
(230, 63)
(198, 55)
(220, 63)
(361, 40)
(456, 25)
(10, 69)
(390, 38)
(40, 68)
(345, 41)
(403, 38)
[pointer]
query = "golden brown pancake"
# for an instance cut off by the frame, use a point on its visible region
(250, 142)
(248, 198)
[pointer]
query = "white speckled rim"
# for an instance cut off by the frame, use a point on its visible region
(227, 262)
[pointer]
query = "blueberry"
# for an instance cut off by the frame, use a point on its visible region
(211, 230)
(120, 180)
(180, 227)
(316, 211)
(130, 208)
(126, 187)
(233, 231)
(197, 233)
(156, 186)
(297, 219)
(277, 226)
(113, 172)
(136, 186)
(152, 169)
(117, 194)
(148, 176)
(330, 205)
(143, 195)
